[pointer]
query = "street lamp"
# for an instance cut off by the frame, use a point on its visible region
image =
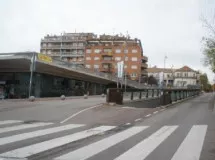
(165, 57)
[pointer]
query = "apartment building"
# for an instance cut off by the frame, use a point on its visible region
(181, 77)
(67, 46)
(165, 74)
(103, 53)
(186, 76)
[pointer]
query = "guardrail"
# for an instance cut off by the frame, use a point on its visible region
(166, 96)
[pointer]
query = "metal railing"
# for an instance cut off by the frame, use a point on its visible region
(166, 96)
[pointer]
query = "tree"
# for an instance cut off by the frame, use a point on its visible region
(205, 84)
(209, 44)
(152, 80)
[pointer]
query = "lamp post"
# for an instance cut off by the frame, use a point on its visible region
(165, 57)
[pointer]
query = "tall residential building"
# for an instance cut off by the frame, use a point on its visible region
(67, 46)
(103, 53)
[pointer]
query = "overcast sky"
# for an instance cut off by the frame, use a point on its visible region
(165, 27)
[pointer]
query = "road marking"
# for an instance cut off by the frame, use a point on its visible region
(155, 112)
(9, 122)
(27, 151)
(139, 119)
(162, 109)
(24, 136)
(191, 147)
(73, 115)
(23, 126)
(128, 107)
(148, 115)
(97, 147)
(145, 147)
(127, 124)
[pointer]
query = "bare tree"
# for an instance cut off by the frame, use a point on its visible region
(209, 43)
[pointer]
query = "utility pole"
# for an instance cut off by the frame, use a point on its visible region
(165, 57)
(61, 46)
(32, 68)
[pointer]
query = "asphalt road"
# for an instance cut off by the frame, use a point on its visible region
(185, 131)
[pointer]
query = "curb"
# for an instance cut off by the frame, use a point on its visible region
(177, 102)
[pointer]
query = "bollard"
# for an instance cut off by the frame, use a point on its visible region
(32, 98)
(85, 96)
(62, 97)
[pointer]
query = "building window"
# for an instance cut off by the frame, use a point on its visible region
(88, 51)
(96, 58)
(126, 51)
(125, 66)
(97, 50)
(134, 59)
(74, 44)
(105, 66)
(194, 75)
(96, 66)
(88, 58)
(134, 67)
(117, 58)
(134, 51)
(107, 58)
(88, 66)
(126, 58)
(80, 44)
(106, 50)
(118, 50)
(178, 74)
(133, 74)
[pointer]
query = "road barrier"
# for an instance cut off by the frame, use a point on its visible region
(166, 96)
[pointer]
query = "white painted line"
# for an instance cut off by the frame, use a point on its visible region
(23, 126)
(145, 147)
(9, 122)
(155, 112)
(97, 147)
(27, 151)
(148, 115)
(139, 119)
(162, 109)
(128, 107)
(79, 113)
(42, 132)
(127, 124)
(191, 147)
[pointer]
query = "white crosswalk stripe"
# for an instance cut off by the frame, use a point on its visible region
(189, 149)
(9, 122)
(24, 136)
(23, 126)
(144, 148)
(90, 150)
(50, 144)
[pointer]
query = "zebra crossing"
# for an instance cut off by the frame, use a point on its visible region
(189, 149)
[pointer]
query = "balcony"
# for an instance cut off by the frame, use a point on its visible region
(110, 54)
(145, 59)
(107, 61)
(105, 70)
(62, 47)
(63, 40)
(144, 65)
(144, 73)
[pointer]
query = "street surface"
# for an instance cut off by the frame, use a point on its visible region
(85, 129)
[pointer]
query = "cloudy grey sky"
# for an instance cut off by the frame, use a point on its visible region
(165, 27)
